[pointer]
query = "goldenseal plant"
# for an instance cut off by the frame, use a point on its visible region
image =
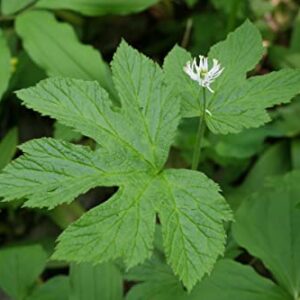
(134, 141)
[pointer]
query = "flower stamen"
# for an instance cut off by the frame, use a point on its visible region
(201, 73)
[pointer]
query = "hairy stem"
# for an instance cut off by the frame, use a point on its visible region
(200, 135)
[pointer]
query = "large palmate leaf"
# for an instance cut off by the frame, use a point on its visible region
(134, 144)
(54, 47)
(237, 103)
(121, 227)
(98, 7)
(53, 172)
(273, 210)
(5, 67)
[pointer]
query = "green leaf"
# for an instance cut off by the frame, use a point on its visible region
(295, 38)
(8, 147)
(242, 145)
(231, 280)
(237, 103)
(19, 269)
(144, 97)
(53, 172)
(273, 210)
(156, 282)
(121, 227)
(286, 119)
(274, 161)
(86, 107)
(188, 89)
(95, 282)
(191, 212)
(56, 288)
(5, 67)
(238, 54)
(54, 46)
(9, 7)
(98, 7)
(295, 151)
(244, 106)
(134, 144)
(27, 73)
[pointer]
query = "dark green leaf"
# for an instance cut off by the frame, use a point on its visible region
(95, 282)
(20, 267)
(98, 7)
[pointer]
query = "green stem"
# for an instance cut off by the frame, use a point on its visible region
(65, 214)
(200, 135)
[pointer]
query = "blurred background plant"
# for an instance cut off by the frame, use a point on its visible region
(257, 169)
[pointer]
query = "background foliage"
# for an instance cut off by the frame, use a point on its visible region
(257, 168)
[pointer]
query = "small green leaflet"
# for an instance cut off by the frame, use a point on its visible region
(98, 7)
(5, 66)
(273, 209)
(237, 103)
(135, 140)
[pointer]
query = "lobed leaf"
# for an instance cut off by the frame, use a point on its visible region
(85, 106)
(53, 172)
(122, 227)
(191, 212)
(244, 106)
(146, 100)
(238, 54)
(134, 144)
(237, 103)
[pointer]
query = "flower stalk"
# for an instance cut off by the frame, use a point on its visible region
(200, 134)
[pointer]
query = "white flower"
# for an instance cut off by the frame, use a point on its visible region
(201, 74)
